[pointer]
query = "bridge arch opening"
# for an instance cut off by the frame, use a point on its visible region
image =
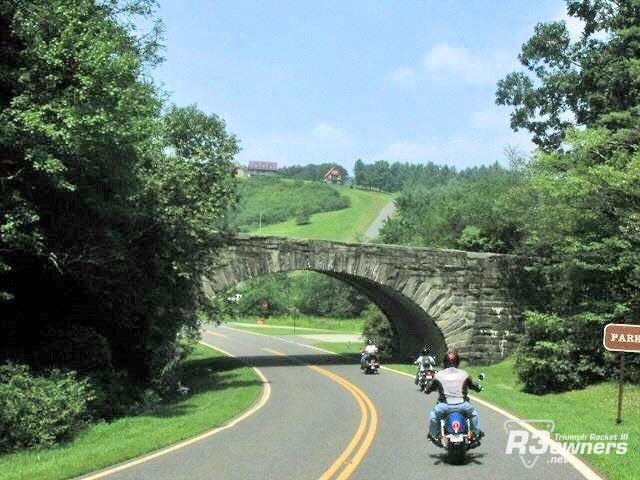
(413, 328)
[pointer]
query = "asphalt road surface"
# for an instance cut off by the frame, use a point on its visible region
(374, 229)
(326, 420)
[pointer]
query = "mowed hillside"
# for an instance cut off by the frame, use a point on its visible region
(344, 225)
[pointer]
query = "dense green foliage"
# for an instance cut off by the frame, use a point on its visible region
(275, 200)
(468, 211)
(108, 207)
(558, 354)
(220, 388)
(312, 172)
(583, 198)
(39, 410)
(308, 293)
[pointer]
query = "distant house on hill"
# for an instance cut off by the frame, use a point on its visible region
(241, 171)
(262, 168)
(333, 175)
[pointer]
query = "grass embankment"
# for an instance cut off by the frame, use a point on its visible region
(346, 225)
(271, 200)
(221, 387)
(588, 411)
(304, 325)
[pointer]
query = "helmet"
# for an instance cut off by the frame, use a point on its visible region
(451, 359)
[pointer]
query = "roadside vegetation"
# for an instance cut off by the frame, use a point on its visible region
(111, 202)
(220, 388)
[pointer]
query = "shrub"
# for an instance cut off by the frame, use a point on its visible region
(40, 410)
(378, 328)
(303, 217)
(558, 354)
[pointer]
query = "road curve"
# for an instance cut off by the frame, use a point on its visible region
(311, 419)
(374, 229)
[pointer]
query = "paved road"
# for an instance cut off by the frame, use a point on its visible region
(374, 229)
(310, 418)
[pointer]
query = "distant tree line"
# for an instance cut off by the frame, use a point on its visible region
(382, 175)
(312, 172)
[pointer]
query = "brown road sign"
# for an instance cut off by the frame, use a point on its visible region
(620, 337)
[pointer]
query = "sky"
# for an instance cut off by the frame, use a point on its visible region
(332, 81)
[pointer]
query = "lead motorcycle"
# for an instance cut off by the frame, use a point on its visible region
(424, 377)
(370, 365)
(456, 436)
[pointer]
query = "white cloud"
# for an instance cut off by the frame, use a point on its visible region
(472, 67)
(335, 136)
(402, 77)
(490, 117)
(444, 62)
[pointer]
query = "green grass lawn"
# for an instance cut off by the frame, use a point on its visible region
(591, 410)
(345, 225)
(342, 325)
(277, 331)
(305, 325)
(221, 387)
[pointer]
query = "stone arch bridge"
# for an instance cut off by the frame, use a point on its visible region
(443, 298)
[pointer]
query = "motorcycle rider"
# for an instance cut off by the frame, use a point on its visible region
(368, 351)
(452, 384)
(424, 362)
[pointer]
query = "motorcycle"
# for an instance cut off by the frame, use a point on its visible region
(370, 365)
(424, 378)
(456, 436)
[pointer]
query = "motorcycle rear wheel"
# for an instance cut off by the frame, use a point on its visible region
(455, 454)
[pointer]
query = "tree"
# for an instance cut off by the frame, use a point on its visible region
(584, 186)
(594, 79)
(359, 172)
(109, 230)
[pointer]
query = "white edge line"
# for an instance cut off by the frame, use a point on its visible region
(266, 393)
(578, 464)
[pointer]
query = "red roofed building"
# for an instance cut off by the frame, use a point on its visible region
(333, 175)
(263, 168)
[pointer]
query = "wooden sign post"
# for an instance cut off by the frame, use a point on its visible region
(621, 337)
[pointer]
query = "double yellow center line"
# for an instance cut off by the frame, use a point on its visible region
(354, 453)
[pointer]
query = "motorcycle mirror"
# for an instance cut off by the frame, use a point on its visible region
(482, 376)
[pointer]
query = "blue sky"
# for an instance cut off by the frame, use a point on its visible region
(332, 81)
